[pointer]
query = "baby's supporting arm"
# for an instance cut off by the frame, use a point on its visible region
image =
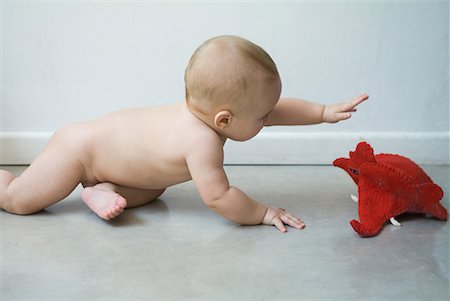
(293, 111)
(205, 163)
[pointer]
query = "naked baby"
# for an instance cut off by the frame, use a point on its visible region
(128, 158)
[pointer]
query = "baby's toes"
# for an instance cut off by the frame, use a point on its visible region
(106, 216)
(116, 211)
(121, 202)
(113, 212)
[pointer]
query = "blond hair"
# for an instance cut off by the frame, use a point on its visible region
(221, 70)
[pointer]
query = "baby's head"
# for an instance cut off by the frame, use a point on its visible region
(232, 84)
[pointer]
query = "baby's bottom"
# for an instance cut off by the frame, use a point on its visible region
(54, 175)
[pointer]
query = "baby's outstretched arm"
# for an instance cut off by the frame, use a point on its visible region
(205, 164)
(342, 111)
(293, 111)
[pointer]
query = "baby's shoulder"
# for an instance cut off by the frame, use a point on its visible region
(204, 147)
(203, 135)
(200, 138)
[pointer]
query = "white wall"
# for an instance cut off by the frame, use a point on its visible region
(67, 61)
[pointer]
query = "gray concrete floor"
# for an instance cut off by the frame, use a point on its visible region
(176, 248)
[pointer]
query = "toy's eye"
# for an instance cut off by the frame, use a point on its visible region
(354, 171)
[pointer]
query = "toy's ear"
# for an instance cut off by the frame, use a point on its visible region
(362, 154)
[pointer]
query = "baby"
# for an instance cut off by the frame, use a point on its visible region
(128, 158)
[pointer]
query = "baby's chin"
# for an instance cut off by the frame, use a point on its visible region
(243, 138)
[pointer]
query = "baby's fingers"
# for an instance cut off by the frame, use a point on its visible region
(279, 224)
(350, 106)
(292, 221)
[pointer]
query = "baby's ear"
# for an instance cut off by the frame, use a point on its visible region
(223, 119)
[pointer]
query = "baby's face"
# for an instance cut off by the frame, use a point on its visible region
(261, 102)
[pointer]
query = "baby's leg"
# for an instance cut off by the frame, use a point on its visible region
(50, 178)
(108, 200)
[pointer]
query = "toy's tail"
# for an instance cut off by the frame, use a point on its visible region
(431, 194)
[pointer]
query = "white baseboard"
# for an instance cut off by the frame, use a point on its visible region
(20, 148)
(17, 148)
(325, 147)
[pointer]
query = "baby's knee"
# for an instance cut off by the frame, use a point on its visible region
(158, 193)
(6, 178)
(10, 204)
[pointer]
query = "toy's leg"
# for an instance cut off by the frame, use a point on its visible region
(371, 207)
(392, 219)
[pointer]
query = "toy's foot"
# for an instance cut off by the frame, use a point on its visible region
(362, 231)
(356, 226)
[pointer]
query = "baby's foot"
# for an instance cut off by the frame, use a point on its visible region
(105, 203)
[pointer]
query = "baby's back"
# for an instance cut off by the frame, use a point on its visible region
(141, 148)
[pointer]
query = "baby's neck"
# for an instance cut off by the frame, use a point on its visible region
(206, 120)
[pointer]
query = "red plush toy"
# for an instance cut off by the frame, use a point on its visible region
(389, 185)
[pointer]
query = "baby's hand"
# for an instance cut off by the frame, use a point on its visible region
(278, 217)
(342, 111)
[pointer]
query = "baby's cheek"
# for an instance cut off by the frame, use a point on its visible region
(259, 128)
